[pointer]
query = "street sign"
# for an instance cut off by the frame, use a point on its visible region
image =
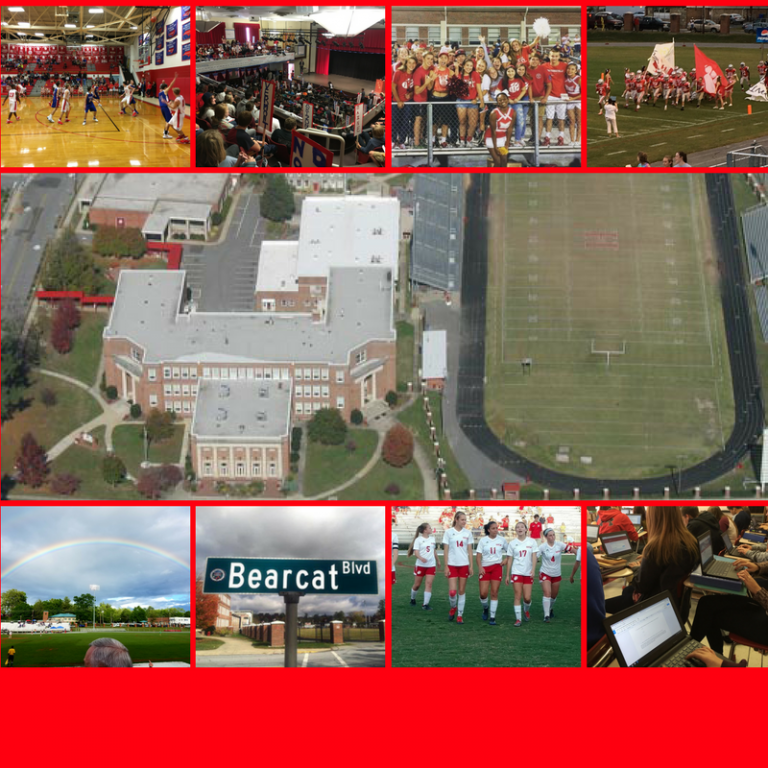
(261, 575)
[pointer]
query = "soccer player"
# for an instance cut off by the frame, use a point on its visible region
(425, 549)
(491, 551)
(498, 135)
(551, 553)
(457, 549)
(743, 75)
(90, 104)
(521, 564)
(11, 98)
(177, 116)
(54, 101)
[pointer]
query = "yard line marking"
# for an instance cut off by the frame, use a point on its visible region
(663, 144)
(695, 136)
(623, 152)
(727, 130)
(339, 659)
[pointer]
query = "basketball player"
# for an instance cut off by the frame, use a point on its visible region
(54, 101)
(166, 112)
(90, 104)
(177, 116)
(12, 99)
(66, 103)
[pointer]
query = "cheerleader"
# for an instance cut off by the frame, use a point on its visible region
(551, 553)
(490, 556)
(498, 136)
(424, 547)
(521, 565)
(457, 550)
(395, 554)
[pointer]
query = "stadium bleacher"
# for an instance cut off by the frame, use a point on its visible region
(755, 223)
(761, 301)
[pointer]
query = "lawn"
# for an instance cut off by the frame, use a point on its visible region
(405, 352)
(208, 644)
(49, 425)
(415, 418)
(587, 288)
(68, 650)
(128, 444)
(428, 639)
(408, 480)
(659, 133)
(328, 466)
(82, 361)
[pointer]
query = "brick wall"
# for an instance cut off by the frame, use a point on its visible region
(108, 217)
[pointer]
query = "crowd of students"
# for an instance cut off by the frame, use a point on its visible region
(232, 49)
(667, 559)
(483, 97)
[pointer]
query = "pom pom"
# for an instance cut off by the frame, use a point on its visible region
(503, 151)
(541, 27)
(457, 89)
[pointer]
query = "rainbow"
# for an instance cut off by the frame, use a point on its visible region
(91, 542)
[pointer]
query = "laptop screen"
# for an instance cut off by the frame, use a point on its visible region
(758, 517)
(616, 543)
(727, 541)
(705, 547)
(635, 519)
(646, 630)
(592, 532)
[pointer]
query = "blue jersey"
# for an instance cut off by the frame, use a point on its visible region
(89, 103)
(55, 100)
(163, 99)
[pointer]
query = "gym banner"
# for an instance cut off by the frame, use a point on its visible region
(159, 43)
(266, 105)
(171, 48)
(159, 28)
(186, 30)
(158, 59)
(359, 115)
(186, 12)
(186, 51)
(306, 153)
(172, 29)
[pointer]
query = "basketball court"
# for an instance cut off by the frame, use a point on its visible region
(108, 49)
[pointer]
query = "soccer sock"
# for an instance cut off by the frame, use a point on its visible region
(552, 603)
(546, 601)
(518, 612)
(452, 599)
(484, 601)
(527, 607)
(413, 594)
(494, 606)
(427, 597)
(462, 601)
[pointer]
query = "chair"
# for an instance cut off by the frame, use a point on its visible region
(282, 154)
(326, 140)
(751, 644)
(363, 157)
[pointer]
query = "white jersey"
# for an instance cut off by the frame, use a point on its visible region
(177, 121)
(65, 98)
(551, 558)
(395, 547)
(493, 550)
(12, 100)
(458, 543)
(522, 553)
(425, 548)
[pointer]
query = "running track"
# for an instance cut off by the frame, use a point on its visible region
(747, 393)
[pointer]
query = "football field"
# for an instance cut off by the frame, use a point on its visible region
(428, 639)
(657, 132)
(607, 284)
(68, 649)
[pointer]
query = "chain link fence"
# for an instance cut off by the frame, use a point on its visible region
(755, 156)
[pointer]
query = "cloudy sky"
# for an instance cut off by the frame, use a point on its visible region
(326, 533)
(128, 575)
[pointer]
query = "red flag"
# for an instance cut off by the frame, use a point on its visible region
(708, 70)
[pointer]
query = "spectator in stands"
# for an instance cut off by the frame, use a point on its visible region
(210, 152)
(371, 141)
(107, 652)
(681, 160)
(284, 135)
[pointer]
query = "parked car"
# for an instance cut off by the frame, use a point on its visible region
(648, 22)
(703, 25)
(737, 18)
(612, 20)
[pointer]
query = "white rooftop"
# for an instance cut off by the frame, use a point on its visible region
(434, 355)
(278, 264)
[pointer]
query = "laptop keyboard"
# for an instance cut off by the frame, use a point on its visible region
(678, 659)
(719, 568)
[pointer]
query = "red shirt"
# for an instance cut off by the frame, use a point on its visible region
(403, 85)
(516, 88)
(524, 55)
(419, 78)
(472, 80)
(538, 79)
(535, 530)
(557, 75)
(443, 76)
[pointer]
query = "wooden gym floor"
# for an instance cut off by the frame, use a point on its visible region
(117, 140)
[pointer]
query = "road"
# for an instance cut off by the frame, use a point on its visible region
(749, 410)
(353, 655)
(46, 199)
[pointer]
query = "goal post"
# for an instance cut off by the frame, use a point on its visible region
(607, 350)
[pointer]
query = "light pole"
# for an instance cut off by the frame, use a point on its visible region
(94, 588)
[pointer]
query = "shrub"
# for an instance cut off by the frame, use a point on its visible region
(119, 241)
(153, 482)
(113, 469)
(393, 489)
(31, 462)
(327, 427)
(295, 458)
(65, 485)
(111, 392)
(48, 398)
(397, 450)
(296, 439)
(189, 470)
(351, 446)
(216, 219)
(135, 411)
(356, 417)
(391, 398)
(61, 334)
(103, 382)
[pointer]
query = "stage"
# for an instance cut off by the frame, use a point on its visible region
(341, 83)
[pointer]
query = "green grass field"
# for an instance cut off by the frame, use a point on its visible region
(428, 639)
(328, 466)
(606, 263)
(128, 443)
(659, 133)
(68, 650)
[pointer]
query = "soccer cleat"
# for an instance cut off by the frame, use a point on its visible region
(485, 614)
(452, 614)
(492, 623)
(426, 607)
(551, 614)
(527, 616)
(518, 623)
(459, 619)
(546, 619)
(413, 602)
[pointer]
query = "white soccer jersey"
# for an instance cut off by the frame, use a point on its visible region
(395, 547)
(425, 548)
(551, 558)
(522, 553)
(493, 550)
(458, 543)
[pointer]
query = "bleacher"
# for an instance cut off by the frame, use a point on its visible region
(761, 301)
(755, 223)
(58, 59)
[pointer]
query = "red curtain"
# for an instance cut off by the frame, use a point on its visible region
(321, 63)
(214, 37)
(373, 41)
(240, 32)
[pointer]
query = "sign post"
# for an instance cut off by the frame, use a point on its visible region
(291, 579)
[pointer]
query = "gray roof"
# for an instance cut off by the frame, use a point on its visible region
(142, 191)
(148, 305)
(242, 410)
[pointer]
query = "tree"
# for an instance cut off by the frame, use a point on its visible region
(356, 417)
(327, 427)
(391, 398)
(61, 335)
(48, 398)
(135, 411)
(113, 469)
(69, 312)
(122, 242)
(32, 462)
(206, 606)
(277, 201)
(10, 599)
(83, 609)
(381, 611)
(65, 484)
(69, 266)
(111, 392)
(160, 425)
(22, 612)
(153, 482)
(138, 614)
(397, 450)
(339, 616)
(15, 368)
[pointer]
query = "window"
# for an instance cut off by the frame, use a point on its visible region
(315, 374)
(223, 468)
(324, 374)
(136, 355)
(168, 406)
(325, 391)
(297, 374)
(225, 374)
(187, 406)
(494, 33)
(176, 373)
(256, 469)
(339, 376)
(207, 468)
(194, 390)
(240, 469)
(185, 390)
(177, 407)
(153, 401)
(285, 374)
(249, 374)
(340, 403)
(268, 374)
(474, 35)
(454, 34)
(276, 374)
(411, 33)
(299, 390)
(307, 374)
(241, 374)
(214, 373)
(233, 374)
(258, 374)
(300, 409)
(177, 390)
(167, 390)
(206, 373)
(272, 469)
(361, 357)
(193, 373)
(152, 374)
(316, 406)
(316, 391)
(166, 372)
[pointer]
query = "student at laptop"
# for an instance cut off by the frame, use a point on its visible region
(614, 520)
(595, 599)
(745, 616)
(711, 659)
(704, 522)
(742, 520)
(753, 551)
(669, 556)
(722, 519)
